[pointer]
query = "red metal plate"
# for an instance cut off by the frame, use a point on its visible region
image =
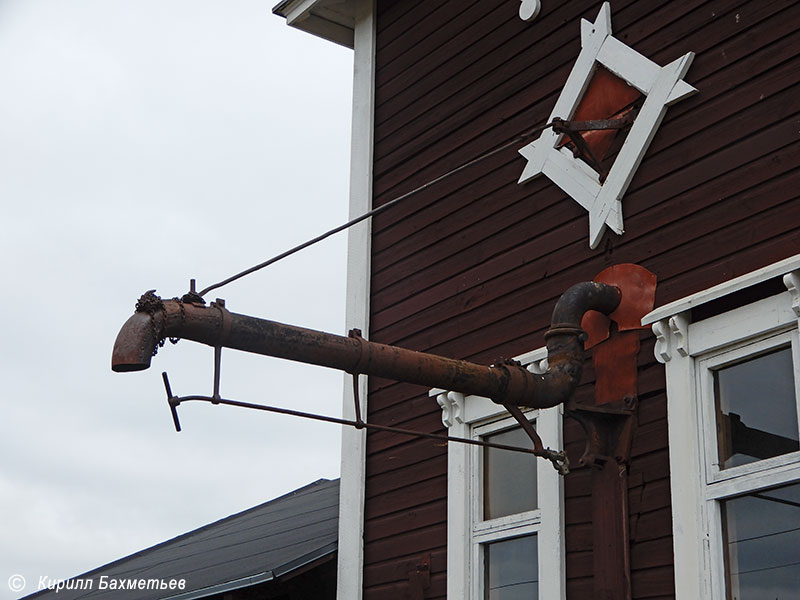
(606, 96)
(638, 287)
(596, 325)
(615, 367)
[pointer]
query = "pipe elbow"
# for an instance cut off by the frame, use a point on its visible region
(135, 344)
(565, 339)
(582, 297)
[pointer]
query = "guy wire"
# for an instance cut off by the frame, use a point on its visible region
(517, 140)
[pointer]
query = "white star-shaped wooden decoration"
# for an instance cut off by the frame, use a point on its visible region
(661, 86)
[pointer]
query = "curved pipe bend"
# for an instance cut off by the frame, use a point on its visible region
(140, 336)
(565, 338)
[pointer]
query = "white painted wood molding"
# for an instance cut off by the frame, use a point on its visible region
(350, 568)
(462, 415)
(778, 269)
(690, 352)
(792, 283)
(662, 87)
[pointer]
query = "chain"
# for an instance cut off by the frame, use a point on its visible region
(175, 340)
(150, 303)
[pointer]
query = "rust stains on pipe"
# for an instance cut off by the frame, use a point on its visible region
(505, 383)
(565, 340)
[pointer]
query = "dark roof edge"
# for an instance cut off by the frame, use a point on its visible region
(228, 586)
(264, 577)
(307, 559)
(123, 559)
(279, 8)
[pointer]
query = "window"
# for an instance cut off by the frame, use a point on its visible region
(732, 356)
(505, 522)
(750, 400)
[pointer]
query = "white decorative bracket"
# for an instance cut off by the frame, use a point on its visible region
(661, 331)
(538, 367)
(679, 328)
(452, 404)
(662, 86)
(792, 283)
(672, 335)
(529, 9)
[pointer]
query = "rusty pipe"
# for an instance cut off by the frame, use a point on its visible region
(505, 383)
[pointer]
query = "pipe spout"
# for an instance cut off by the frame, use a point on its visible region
(505, 383)
(135, 345)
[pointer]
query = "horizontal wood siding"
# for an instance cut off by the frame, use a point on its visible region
(471, 267)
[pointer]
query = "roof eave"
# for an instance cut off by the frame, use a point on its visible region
(331, 20)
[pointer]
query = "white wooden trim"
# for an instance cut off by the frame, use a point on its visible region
(662, 86)
(299, 10)
(697, 485)
(792, 283)
(351, 496)
(784, 474)
(689, 538)
(321, 18)
(759, 319)
(459, 467)
(474, 416)
(552, 544)
(723, 289)
(705, 388)
(636, 143)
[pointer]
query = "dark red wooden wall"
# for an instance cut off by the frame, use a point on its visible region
(472, 267)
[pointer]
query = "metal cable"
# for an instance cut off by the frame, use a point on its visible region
(517, 140)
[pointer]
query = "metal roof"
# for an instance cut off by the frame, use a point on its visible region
(254, 546)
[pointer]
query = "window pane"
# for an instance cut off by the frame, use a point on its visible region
(756, 409)
(512, 569)
(762, 543)
(509, 478)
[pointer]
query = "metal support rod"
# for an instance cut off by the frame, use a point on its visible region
(175, 401)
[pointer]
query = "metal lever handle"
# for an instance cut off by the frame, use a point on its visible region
(173, 402)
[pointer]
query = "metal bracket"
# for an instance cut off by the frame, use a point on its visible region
(572, 129)
(609, 431)
(356, 335)
(419, 577)
(559, 459)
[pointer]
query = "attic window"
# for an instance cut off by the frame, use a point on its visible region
(606, 79)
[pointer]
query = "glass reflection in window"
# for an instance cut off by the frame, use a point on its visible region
(762, 544)
(756, 409)
(509, 478)
(512, 569)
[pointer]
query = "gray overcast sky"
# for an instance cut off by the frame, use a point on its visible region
(144, 142)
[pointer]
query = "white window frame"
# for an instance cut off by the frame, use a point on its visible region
(662, 86)
(474, 417)
(690, 351)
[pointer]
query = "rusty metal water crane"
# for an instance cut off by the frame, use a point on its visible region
(505, 382)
